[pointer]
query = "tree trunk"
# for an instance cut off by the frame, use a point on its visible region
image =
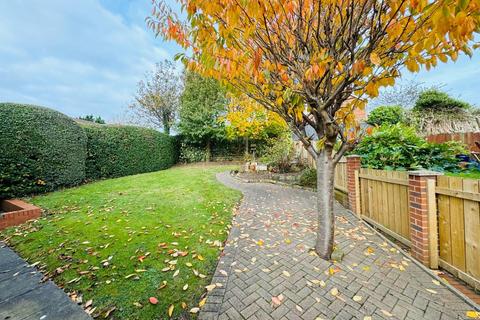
(246, 146)
(208, 151)
(166, 129)
(325, 196)
(166, 123)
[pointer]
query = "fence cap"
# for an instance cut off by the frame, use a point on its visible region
(425, 173)
(353, 156)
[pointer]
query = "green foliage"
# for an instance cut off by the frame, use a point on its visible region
(386, 115)
(399, 147)
(190, 153)
(202, 102)
(308, 178)
(91, 118)
(279, 153)
(438, 101)
(40, 150)
(115, 151)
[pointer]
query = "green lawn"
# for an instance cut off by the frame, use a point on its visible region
(121, 241)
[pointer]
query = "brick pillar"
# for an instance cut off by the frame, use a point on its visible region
(418, 212)
(353, 165)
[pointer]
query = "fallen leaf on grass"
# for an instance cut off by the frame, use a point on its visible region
(185, 287)
(194, 310)
(153, 300)
(88, 303)
(170, 310)
(108, 312)
(202, 302)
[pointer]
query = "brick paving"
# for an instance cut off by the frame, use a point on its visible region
(268, 255)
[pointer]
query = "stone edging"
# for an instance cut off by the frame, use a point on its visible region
(424, 268)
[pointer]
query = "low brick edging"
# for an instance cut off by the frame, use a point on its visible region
(17, 212)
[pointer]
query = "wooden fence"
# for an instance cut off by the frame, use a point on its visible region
(384, 201)
(458, 204)
(469, 138)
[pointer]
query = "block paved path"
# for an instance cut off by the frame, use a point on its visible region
(23, 295)
(267, 255)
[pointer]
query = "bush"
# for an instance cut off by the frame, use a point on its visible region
(386, 115)
(308, 178)
(192, 153)
(399, 147)
(279, 154)
(115, 151)
(434, 100)
(41, 150)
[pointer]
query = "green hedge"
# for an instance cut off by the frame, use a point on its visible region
(40, 150)
(115, 151)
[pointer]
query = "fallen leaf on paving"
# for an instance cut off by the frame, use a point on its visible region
(210, 287)
(367, 318)
(276, 301)
(436, 282)
(388, 314)
(431, 291)
(286, 273)
(473, 314)
(223, 272)
(153, 300)
(202, 302)
(260, 242)
(357, 298)
(298, 308)
(334, 292)
(88, 303)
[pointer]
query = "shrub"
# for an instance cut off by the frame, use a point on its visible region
(434, 100)
(308, 178)
(40, 150)
(115, 151)
(278, 155)
(386, 115)
(399, 147)
(192, 153)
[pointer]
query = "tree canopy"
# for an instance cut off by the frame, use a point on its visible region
(157, 97)
(313, 62)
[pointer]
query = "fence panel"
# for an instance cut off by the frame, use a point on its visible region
(341, 176)
(459, 227)
(384, 201)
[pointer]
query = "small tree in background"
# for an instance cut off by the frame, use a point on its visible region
(314, 62)
(386, 115)
(202, 103)
(92, 118)
(249, 120)
(157, 97)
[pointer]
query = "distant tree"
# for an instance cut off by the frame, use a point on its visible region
(91, 118)
(386, 115)
(202, 103)
(404, 93)
(157, 97)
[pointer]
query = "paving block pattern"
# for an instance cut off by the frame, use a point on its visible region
(23, 294)
(268, 257)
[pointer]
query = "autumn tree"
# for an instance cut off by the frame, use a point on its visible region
(313, 62)
(202, 103)
(249, 120)
(157, 97)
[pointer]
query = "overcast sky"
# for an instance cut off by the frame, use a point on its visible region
(85, 57)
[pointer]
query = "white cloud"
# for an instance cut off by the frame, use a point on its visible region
(74, 56)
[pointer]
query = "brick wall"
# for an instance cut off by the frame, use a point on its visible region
(353, 164)
(17, 212)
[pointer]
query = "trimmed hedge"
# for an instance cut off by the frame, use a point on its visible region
(40, 150)
(115, 151)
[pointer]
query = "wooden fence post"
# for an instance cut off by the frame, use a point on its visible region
(353, 188)
(422, 215)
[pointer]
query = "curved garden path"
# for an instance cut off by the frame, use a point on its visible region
(267, 258)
